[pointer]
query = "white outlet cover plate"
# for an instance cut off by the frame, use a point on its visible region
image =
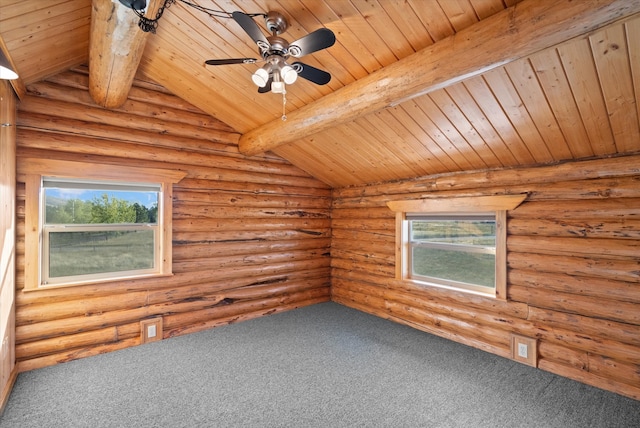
(523, 350)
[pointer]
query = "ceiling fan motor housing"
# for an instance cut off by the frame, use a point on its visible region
(278, 46)
(276, 23)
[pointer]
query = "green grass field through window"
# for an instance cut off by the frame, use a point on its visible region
(86, 253)
(458, 266)
(461, 250)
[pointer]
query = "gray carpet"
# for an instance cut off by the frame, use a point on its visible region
(319, 366)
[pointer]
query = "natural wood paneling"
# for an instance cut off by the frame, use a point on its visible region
(46, 37)
(559, 104)
(7, 239)
(251, 236)
(573, 267)
(503, 38)
(574, 100)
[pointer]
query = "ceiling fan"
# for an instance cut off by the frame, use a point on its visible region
(276, 51)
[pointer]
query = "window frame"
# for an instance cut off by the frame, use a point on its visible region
(497, 205)
(48, 228)
(34, 171)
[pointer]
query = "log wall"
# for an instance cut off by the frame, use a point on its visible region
(251, 236)
(573, 267)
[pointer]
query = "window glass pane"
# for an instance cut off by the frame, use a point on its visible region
(460, 266)
(454, 250)
(86, 253)
(74, 205)
(463, 232)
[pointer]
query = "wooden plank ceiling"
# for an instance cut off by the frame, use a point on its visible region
(576, 99)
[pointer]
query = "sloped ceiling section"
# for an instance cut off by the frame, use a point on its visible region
(576, 99)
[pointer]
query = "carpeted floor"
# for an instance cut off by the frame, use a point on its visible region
(319, 366)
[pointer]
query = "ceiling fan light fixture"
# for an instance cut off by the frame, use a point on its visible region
(276, 50)
(260, 77)
(277, 87)
(289, 75)
(6, 70)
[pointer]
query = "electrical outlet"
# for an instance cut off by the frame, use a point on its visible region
(151, 330)
(524, 349)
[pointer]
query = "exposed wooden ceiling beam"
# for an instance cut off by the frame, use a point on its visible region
(517, 32)
(115, 49)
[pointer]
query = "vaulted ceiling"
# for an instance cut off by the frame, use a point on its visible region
(418, 87)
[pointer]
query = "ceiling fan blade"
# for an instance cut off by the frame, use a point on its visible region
(230, 61)
(312, 42)
(251, 28)
(312, 74)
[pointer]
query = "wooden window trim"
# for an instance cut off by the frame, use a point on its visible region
(33, 170)
(472, 204)
(498, 205)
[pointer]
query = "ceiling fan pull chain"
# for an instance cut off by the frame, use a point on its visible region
(284, 104)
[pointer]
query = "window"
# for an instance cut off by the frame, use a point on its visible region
(94, 230)
(453, 251)
(457, 244)
(95, 223)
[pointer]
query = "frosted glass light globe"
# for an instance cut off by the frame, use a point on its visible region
(260, 77)
(288, 74)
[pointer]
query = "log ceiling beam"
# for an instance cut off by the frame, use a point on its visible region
(517, 32)
(115, 50)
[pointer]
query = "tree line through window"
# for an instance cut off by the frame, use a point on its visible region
(104, 209)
